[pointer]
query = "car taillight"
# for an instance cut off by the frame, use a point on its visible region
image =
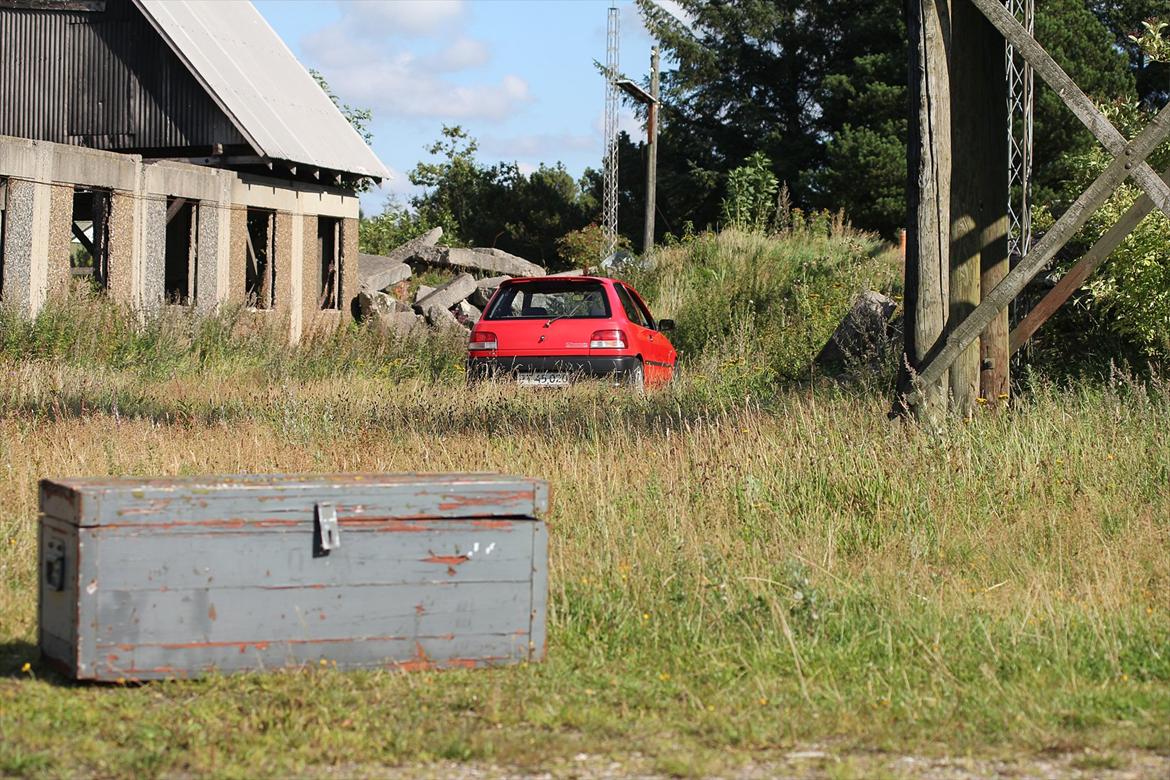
(607, 339)
(482, 341)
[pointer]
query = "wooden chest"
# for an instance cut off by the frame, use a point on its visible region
(155, 578)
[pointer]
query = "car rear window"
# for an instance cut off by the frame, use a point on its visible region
(547, 299)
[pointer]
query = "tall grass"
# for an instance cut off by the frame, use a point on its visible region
(732, 573)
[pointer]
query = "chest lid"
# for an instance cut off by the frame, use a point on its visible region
(288, 500)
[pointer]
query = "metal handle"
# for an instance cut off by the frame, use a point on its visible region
(327, 534)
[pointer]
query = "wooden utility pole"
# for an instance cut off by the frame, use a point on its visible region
(979, 199)
(929, 163)
(652, 159)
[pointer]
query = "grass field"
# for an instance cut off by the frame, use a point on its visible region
(733, 572)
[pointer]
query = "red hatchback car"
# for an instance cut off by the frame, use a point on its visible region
(551, 330)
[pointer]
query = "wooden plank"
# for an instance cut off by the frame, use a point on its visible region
(458, 651)
(445, 552)
(1060, 233)
(287, 501)
(79, 234)
(928, 241)
(1073, 97)
(1076, 276)
(219, 615)
(173, 209)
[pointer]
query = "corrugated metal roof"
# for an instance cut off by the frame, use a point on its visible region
(258, 82)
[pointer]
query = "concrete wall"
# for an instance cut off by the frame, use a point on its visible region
(39, 216)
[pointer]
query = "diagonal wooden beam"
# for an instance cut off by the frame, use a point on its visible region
(1072, 95)
(1076, 276)
(79, 234)
(174, 208)
(935, 366)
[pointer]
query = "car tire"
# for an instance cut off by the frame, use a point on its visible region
(636, 378)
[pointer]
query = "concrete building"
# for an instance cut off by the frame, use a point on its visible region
(172, 152)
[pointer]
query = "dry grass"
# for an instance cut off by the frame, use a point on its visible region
(735, 578)
(736, 567)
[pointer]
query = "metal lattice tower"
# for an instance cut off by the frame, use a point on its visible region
(1020, 97)
(610, 182)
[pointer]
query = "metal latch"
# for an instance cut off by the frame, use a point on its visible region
(328, 533)
(55, 564)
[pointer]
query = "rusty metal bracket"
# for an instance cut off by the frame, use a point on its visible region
(327, 533)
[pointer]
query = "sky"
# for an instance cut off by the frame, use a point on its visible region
(518, 75)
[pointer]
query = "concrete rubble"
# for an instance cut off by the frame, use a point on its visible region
(867, 336)
(384, 296)
(450, 293)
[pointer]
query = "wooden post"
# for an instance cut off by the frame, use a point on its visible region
(1076, 276)
(935, 368)
(652, 156)
(995, 363)
(929, 168)
(978, 196)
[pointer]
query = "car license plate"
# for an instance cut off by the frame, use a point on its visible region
(543, 379)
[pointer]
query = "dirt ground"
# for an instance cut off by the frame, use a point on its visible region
(813, 764)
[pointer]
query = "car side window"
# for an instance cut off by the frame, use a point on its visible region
(633, 313)
(637, 299)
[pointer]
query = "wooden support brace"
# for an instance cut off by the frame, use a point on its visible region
(174, 208)
(79, 234)
(1076, 276)
(936, 364)
(1072, 95)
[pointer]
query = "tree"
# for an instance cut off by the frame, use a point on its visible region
(820, 89)
(498, 205)
(358, 118)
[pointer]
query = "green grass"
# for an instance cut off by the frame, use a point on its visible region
(733, 572)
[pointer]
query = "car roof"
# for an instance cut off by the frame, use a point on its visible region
(529, 279)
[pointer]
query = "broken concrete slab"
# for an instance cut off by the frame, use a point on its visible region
(467, 314)
(441, 318)
(372, 264)
(485, 289)
(865, 337)
(387, 278)
(495, 260)
(422, 292)
(402, 323)
(375, 304)
(478, 259)
(449, 294)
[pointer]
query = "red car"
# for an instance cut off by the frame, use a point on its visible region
(551, 330)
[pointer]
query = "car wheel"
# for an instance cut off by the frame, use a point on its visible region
(636, 379)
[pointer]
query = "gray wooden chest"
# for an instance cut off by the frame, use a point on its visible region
(154, 578)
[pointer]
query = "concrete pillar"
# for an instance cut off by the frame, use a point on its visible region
(207, 258)
(154, 258)
(57, 268)
(350, 272)
(310, 274)
(296, 279)
(123, 248)
(28, 230)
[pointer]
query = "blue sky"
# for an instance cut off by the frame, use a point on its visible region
(518, 75)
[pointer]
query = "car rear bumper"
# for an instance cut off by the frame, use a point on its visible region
(581, 366)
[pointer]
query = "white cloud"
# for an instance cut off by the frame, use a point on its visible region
(377, 18)
(541, 146)
(461, 54)
(395, 81)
